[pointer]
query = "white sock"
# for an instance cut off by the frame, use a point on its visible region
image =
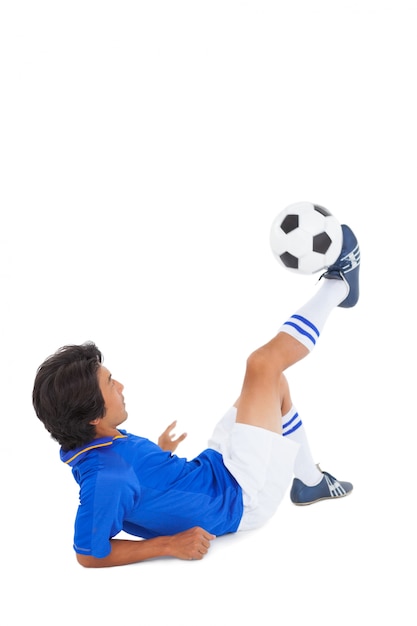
(304, 467)
(308, 322)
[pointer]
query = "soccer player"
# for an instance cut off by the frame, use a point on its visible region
(172, 506)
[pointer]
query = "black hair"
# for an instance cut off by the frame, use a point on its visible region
(66, 394)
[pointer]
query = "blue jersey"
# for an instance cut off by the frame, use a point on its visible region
(129, 483)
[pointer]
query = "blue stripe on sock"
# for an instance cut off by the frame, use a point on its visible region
(307, 323)
(294, 417)
(293, 429)
(301, 331)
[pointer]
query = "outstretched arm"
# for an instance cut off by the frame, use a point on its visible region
(189, 545)
(167, 442)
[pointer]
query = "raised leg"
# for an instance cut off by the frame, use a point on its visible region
(264, 387)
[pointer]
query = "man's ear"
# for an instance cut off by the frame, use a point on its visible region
(96, 421)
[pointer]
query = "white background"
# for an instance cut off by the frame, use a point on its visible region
(145, 149)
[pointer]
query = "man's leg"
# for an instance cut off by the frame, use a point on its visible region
(265, 399)
(260, 402)
(262, 397)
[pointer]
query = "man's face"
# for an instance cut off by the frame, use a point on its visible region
(113, 399)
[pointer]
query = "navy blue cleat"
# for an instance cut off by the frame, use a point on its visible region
(346, 267)
(327, 489)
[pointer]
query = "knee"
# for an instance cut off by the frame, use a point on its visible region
(263, 362)
(258, 363)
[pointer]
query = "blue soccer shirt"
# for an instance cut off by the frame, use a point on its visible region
(129, 483)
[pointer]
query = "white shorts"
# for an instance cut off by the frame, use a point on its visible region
(262, 463)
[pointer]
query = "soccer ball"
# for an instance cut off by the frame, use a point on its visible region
(306, 238)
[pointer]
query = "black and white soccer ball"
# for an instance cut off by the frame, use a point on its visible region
(306, 238)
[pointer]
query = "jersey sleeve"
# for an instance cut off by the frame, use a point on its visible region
(105, 502)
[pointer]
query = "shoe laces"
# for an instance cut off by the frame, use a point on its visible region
(346, 264)
(326, 473)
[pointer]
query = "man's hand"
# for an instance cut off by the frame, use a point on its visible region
(167, 442)
(190, 545)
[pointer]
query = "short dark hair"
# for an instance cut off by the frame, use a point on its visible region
(66, 394)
